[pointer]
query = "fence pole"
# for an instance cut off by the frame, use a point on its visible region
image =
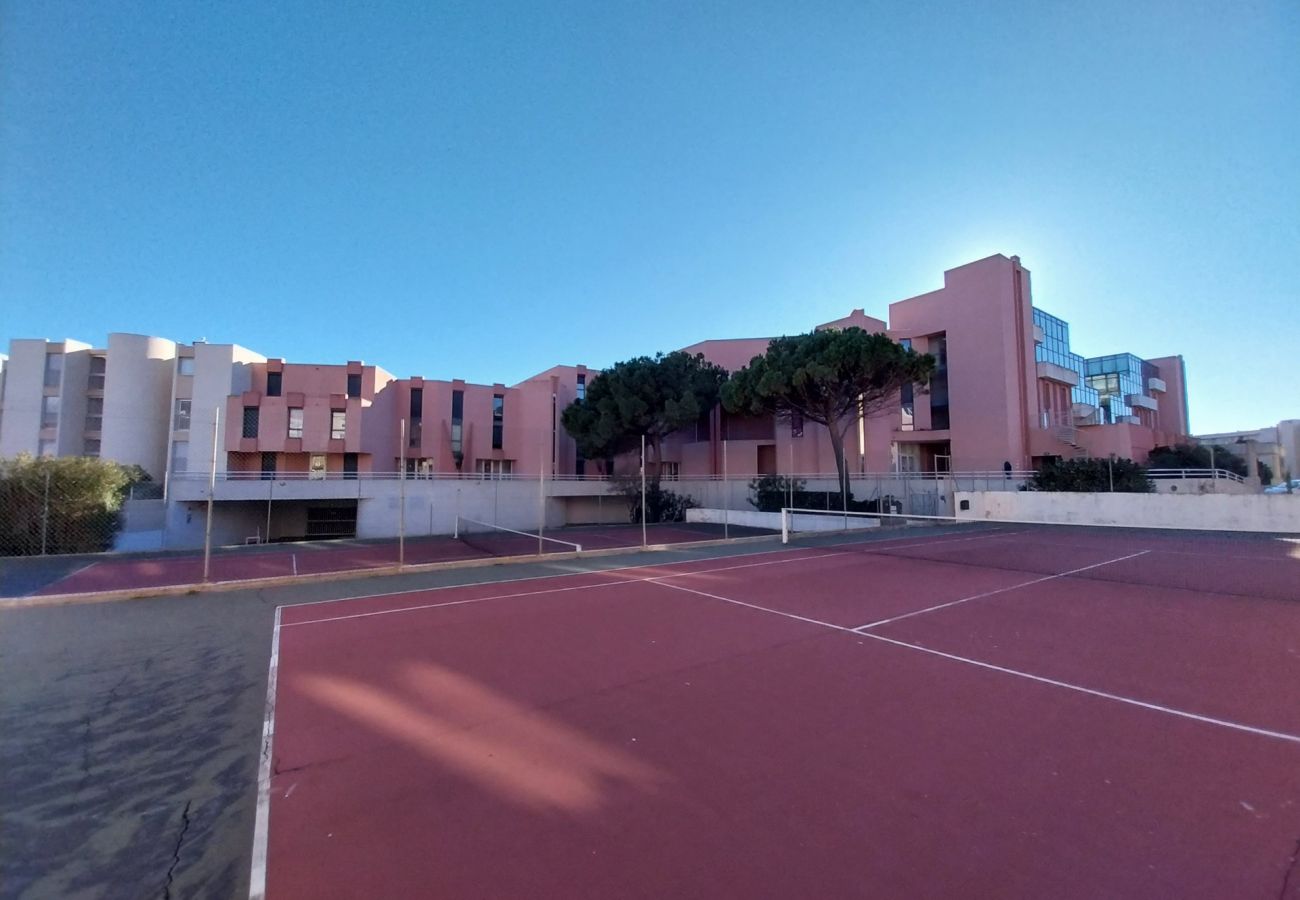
(45, 514)
(726, 495)
(541, 497)
(401, 496)
(270, 495)
(212, 490)
(643, 538)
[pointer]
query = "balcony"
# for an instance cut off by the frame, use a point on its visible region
(1156, 385)
(1142, 401)
(1053, 372)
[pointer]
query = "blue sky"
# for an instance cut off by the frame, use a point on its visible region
(483, 190)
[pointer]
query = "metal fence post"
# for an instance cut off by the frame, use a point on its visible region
(643, 535)
(45, 514)
(401, 498)
(212, 490)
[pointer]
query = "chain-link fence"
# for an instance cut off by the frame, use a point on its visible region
(61, 506)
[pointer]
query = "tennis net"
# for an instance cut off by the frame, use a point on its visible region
(497, 540)
(1203, 560)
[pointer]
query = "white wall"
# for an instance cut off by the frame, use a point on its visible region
(137, 398)
(20, 424)
(1212, 512)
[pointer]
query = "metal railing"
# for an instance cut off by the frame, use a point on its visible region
(245, 476)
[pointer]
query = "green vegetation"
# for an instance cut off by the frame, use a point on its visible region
(1092, 475)
(829, 378)
(62, 505)
(651, 396)
(661, 504)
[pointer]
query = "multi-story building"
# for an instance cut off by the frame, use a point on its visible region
(1277, 446)
(1008, 392)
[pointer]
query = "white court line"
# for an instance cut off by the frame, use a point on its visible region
(1002, 590)
(1118, 698)
(560, 590)
(422, 606)
(651, 565)
(981, 537)
(262, 819)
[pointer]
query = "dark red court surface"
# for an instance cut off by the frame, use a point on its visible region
(328, 557)
(719, 729)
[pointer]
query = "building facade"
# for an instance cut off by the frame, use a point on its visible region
(1009, 392)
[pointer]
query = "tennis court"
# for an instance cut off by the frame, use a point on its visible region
(478, 541)
(974, 711)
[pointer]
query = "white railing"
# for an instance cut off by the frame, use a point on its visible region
(1213, 474)
(474, 476)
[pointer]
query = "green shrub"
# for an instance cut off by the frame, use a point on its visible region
(1091, 476)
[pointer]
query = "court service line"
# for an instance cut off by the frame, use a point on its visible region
(1001, 590)
(1078, 688)
(614, 569)
(559, 590)
(262, 817)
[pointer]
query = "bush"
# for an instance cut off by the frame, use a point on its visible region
(662, 505)
(1092, 476)
(772, 493)
(62, 505)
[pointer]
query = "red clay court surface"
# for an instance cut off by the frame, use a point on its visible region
(924, 717)
(321, 558)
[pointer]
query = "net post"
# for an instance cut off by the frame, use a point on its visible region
(785, 526)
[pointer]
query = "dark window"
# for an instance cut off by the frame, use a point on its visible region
(457, 422)
(907, 405)
(417, 417)
(250, 422)
(349, 465)
(498, 419)
(268, 466)
(796, 424)
(354, 385)
(582, 387)
(273, 382)
(580, 466)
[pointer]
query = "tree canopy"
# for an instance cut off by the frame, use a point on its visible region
(651, 396)
(62, 505)
(827, 377)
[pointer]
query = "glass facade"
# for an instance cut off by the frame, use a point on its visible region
(1116, 376)
(1055, 349)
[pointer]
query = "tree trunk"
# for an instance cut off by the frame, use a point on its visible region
(841, 464)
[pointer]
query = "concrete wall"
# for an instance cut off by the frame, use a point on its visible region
(25, 374)
(1212, 512)
(137, 398)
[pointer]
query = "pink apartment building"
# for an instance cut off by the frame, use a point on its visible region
(1009, 391)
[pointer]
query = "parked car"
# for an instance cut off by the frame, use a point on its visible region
(1282, 488)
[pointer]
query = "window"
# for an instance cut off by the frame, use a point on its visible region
(582, 387)
(498, 419)
(317, 467)
(669, 471)
(350, 466)
(181, 419)
(268, 466)
(274, 383)
(354, 385)
(180, 456)
(338, 424)
(45, 447)
(49, 412)
(417, 417)
(494, 468)
(53, 369)
(295, 422)
(94, 413)
(185, 365)
(250, 422)
(796, 424)
(907, 405)
(457, 421)
(90, 447)
(98, 366)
